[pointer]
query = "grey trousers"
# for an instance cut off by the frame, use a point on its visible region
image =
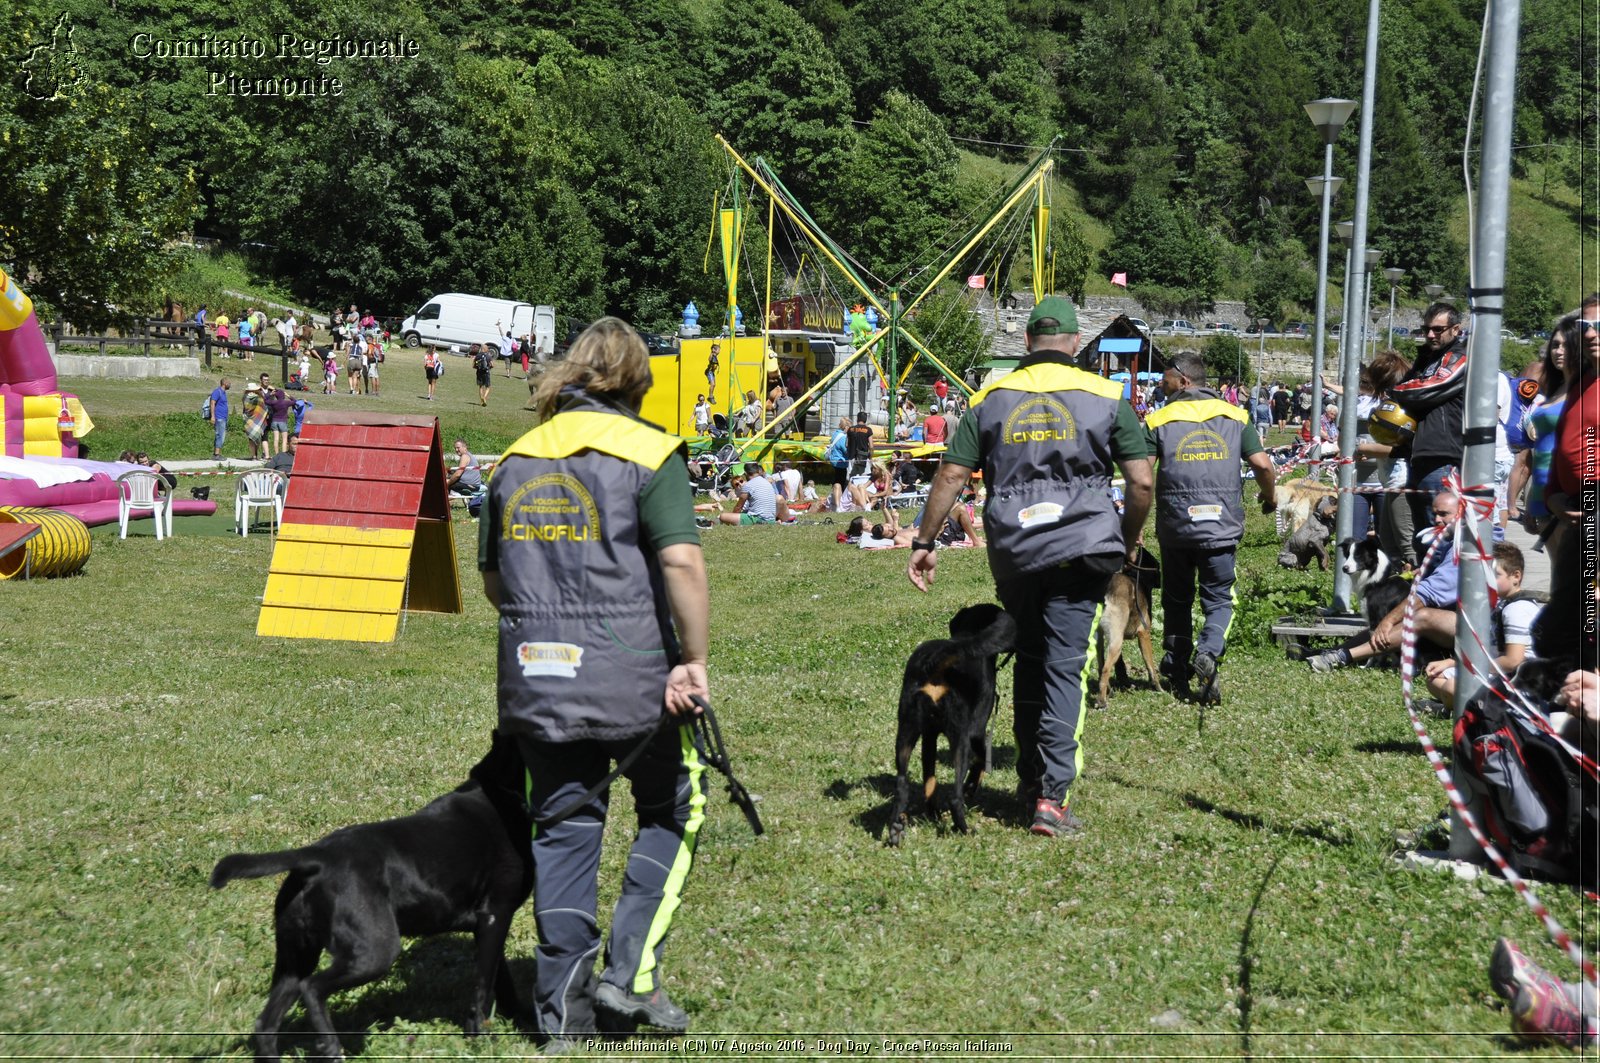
(670, 800)
(1057, 611)
(1180, 567)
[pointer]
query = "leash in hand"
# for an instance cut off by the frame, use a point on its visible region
(708, 743)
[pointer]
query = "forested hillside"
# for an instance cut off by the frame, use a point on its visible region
(563, 151)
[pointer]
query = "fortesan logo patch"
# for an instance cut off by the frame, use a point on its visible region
(561, 659)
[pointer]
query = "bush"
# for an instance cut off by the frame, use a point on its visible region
(1224, 357)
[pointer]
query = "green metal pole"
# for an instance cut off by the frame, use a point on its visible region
(894, 357)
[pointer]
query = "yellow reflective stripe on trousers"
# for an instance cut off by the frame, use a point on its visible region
(1089, 657)
(644, 982)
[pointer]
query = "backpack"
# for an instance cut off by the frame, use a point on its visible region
(1539, 807)
(205, 407)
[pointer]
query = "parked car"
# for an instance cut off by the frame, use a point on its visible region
(1296, 328)
(657, 343)
(1223, 328)
(1140, 324)
(1177, 326)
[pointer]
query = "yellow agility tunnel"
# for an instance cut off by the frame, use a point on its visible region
(60, 549)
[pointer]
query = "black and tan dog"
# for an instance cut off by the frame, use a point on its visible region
(1126, 613)
(949, 690)
(462, 863)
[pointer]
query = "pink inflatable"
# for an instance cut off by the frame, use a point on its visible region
(91, 495)
(35, 419)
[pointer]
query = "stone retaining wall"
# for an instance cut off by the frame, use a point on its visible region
(126, 368)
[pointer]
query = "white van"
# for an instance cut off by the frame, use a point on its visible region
(544, 332)
(452, 317)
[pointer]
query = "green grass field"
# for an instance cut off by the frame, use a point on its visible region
(1234, 896)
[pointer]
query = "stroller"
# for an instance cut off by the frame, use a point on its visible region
(716, 465)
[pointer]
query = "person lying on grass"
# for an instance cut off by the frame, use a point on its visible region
(958, 530)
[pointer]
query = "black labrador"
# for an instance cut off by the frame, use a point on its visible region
(462, 863)
(949, 689)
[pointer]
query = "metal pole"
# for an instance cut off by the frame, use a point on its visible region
(1352, 369)
(1367, 339)
(1352, 285)
(1487, 293)
(895, 312)
(1319, 327)
(1388, 339)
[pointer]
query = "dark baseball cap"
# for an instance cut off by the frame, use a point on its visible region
(1054, 316)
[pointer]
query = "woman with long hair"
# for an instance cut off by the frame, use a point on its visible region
(590, 552)
(1554, 383)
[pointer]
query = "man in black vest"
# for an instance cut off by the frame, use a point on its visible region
(1046, 436)
(1435, 393)
(1197, 439)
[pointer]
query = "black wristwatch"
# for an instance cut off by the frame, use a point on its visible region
(928, 545)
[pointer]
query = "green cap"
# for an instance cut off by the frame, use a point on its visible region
(1054, 316)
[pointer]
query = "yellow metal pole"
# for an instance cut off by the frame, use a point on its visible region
(822, 244)
(950, 374)
(911, 363)
(1015, 198)
(711, 236)
(766, 317)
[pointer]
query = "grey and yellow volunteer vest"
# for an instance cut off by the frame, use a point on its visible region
(1198, 488)
(586, 639)
(1045, 435)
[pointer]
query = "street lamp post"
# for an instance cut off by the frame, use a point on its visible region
(1394, 274)
(1329, 116)
(1434, 291)
(1352, 291)
(1366, 300)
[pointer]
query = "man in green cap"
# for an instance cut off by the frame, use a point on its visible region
(1045, 437)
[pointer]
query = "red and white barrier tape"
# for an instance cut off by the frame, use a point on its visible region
(241, 471)
(1408, 663)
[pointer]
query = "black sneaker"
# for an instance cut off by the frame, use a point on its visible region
(1053, 820)
(1209, 689)
(654, 1010)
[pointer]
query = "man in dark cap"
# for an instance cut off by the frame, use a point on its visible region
(1046, 436)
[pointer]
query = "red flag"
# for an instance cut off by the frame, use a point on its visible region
(1119, 279)
(976, 281)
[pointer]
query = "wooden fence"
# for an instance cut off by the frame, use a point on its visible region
(155, 332)
(146, 333)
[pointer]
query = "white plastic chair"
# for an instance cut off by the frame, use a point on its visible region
(260, 489)
(140, 491)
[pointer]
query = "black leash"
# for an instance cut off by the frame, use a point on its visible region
(707, 742)
(594, 791)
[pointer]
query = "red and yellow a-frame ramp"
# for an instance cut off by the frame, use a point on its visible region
(366, 531)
